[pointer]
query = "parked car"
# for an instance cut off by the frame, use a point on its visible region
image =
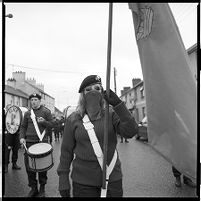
(142, 130)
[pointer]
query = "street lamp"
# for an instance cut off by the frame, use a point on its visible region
(9, 16)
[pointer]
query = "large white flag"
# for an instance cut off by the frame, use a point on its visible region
(170, 88)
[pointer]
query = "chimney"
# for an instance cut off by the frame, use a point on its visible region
(124, 90)
(31, 81)
(19, 76)
(135, 81)
(40, 86)
(11, 82)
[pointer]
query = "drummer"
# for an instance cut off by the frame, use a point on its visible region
(29, 136)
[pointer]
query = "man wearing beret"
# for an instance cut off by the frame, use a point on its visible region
(29, 136)
(83, 139)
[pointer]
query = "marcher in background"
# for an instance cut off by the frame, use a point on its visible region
(12, 144)
(125, 140)
(186, 179)
(62, 121)
(86, 170)
(56, 129)
(28, 136)
(49, 134)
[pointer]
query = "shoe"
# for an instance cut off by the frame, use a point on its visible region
(126, 141)
(178, 182)
(189, 183)
(33, 192)
(41, 191)
(6, 169)
(16, 167)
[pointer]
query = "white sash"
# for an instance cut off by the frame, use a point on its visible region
(33, 117)
(98, 151)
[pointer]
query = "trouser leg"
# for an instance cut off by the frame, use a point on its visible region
(32, 181)
(42, 177)
(80, 190)
(115, 189)
(15, 154)
(15, 147)
(7, 154)
(8, 147)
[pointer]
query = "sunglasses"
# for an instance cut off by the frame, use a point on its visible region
(93, 87)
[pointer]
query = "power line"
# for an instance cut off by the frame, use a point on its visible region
(47, 70)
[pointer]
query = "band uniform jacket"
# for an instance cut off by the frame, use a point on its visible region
(27, 129)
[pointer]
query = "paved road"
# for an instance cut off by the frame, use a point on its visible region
(146, 174)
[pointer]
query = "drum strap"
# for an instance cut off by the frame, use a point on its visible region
(89, 127)
(33, 117)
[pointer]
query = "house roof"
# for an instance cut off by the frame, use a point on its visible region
(57, 110)
(38, 89)
(127, 91)
(16, 92)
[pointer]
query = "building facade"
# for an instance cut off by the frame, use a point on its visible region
(15, 97)
(134, 99)
(29, 86)
(58, 113)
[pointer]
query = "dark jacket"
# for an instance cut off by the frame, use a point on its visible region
(85, 166)
(27, 129)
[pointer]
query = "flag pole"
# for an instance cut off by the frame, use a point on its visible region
(105, 145)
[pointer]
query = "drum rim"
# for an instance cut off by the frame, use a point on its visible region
(39, 155)
(42, 170)
(42, 154)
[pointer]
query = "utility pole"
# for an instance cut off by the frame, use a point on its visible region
(115, 73)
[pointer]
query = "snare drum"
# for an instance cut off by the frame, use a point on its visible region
(40, 157)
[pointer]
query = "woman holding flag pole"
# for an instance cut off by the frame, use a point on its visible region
(83, 142)
(93, 127)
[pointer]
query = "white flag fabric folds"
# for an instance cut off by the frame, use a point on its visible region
(170, 88)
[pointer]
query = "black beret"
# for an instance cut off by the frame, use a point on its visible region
(35, 95)
(91, 79)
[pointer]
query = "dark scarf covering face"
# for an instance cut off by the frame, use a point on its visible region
(93, 104)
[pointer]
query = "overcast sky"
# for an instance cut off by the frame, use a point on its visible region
(60, 44)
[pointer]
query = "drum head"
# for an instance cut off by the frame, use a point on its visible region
(39, 148)
(13, 119)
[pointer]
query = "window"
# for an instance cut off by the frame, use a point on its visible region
(142, 92)
(137, 114)
(135, 95)
(143, 112)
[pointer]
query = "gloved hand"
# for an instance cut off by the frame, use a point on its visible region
(113, 98)
(65, 193)
(22, 141)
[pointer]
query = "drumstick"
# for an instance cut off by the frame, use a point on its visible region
(25, 146)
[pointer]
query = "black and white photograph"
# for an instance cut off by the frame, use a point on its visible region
(99, 100)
